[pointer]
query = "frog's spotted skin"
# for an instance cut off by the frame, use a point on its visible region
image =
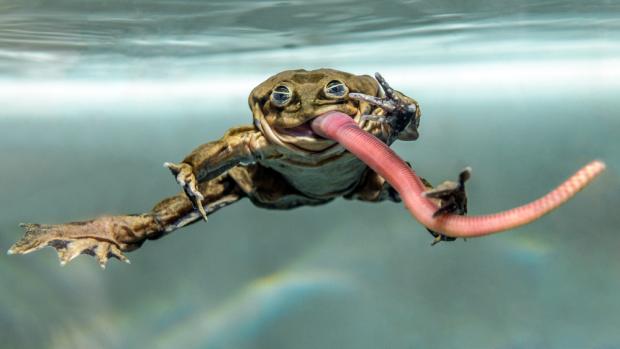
(277, 162)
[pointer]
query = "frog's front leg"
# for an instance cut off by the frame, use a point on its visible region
(239, 145)
(450, 198)
(402, 113)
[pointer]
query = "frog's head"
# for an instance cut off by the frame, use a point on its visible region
(284, 104)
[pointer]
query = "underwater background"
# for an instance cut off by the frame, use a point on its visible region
(96, 95)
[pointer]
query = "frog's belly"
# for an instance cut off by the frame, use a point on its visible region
(331, 177)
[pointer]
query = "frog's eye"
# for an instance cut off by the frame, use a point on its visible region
(281, 96)
(336, 89)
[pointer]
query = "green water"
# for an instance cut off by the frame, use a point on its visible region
(96, 96)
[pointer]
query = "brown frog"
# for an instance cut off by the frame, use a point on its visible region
(277, 162)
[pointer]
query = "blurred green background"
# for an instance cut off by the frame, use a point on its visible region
(96, 95)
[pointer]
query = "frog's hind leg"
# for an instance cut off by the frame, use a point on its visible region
(110, 236)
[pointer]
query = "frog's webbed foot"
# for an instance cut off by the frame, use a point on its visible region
(399, 112)
(453, 200)
(184, 175)
(95, 238)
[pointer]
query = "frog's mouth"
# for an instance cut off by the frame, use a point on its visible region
(303, 130)
(300, 131)
(303, 138)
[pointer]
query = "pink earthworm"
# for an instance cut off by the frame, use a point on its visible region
(379, 157)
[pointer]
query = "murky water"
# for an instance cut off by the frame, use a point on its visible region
(96, 96)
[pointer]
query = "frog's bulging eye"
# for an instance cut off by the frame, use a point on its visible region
(281, 96)
(336, 89)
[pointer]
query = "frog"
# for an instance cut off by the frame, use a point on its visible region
(277, 162)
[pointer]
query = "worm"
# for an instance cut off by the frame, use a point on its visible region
(378, 156)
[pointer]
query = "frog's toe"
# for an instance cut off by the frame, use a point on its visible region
(438, 237)
(383, 103)
(34, 239)
(195, 196)
(104, 251)
(378, 118)
(184, 175)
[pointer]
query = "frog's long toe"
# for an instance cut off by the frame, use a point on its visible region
(378, 118)
(191, 190)
(34, 239)
(384, 103)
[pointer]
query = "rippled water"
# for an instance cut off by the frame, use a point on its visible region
(96, 96)
(160, 39)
